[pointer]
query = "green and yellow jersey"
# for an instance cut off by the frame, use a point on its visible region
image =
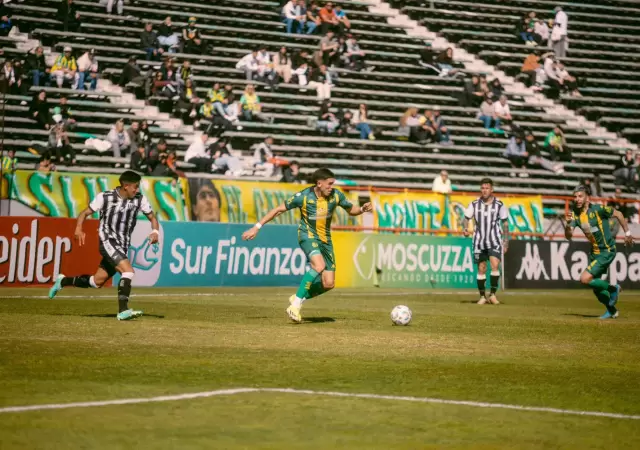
(594, 222)
(316, 213)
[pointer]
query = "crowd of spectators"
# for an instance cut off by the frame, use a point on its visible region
(552, 33)
(429, 127)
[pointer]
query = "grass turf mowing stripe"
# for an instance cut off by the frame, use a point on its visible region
(168, 398)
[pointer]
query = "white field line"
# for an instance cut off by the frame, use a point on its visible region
(195, 395)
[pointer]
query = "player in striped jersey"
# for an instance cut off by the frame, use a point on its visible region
(317, 205)
(490, 237)
(118, 210)
(593, 220)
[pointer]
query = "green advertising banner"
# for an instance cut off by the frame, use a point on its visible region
(404, 261)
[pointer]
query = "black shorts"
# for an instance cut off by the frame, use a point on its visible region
(484, 255)
(112, 254)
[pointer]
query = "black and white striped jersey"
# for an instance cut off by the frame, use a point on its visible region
(488, 219)
(118, 216)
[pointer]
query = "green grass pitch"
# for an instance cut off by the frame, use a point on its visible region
(545, 349)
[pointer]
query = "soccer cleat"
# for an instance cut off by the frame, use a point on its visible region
(482, 301)
(493, 299)
(614, 296)
(56, 286)
(292, 299)
(608, 315)
(129, 314)
(294, 314)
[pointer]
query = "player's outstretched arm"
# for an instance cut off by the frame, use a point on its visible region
(154, 236)
(628, 239)
(359, 210)
(79, 234)
(253, 231)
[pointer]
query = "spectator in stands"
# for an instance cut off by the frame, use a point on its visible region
(251, 107)
(293, 16)
(59, 145)
(119, 6)
(139, 161)
(442, 183)
(266, 71)
(329, 49)
(344, 23)
(204, 199)
(144, 135)
(131, 72)
(516, 153)
(63, 114)
(149, 42)
(530, 68)
(216, 95)
(9, 162)
(360, 121)
(249, 64)
(502, 112)
(223, 160)
(69, 16)
(527, 25)
(354, 55)
(166, 83)
(291, 173)
(206, 112)
(167, 166)
(444, 63)
(411, 121)
(496, 88)
(535, 155)
(188, 104)
(488, 113)
(39, 110)
(329, 20)
(65, 68)
(168, 38)
(119, 139)
(625, 170)
(232, 110)
(282, 64)
(198, 154)
(567, 82)
(192, 39)
(322, 83)
(556, 144)
(263, 156)
(37, 65)
(6, 21)
(45, 164)
(133, 132)
(88, 69)
(559, 33)
(541, 31)
(153, 154)
(313, 17)
(327, 121)
(438, 127)
(473, 91)
(8, 80)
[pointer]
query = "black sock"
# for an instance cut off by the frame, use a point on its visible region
(124, 289)
(611, 288)
(494, 279)
(481, 285)
(81, 281)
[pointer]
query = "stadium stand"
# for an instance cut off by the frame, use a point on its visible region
(394, 81)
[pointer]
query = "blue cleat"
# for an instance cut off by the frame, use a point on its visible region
(609, 314)
(56, 286)
(614, 296)
(129, 314)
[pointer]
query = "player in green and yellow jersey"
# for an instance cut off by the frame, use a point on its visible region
(593, 220)
(317, 204)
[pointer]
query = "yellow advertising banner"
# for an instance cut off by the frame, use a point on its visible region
(249, 201)
(66, 194)
(445, 212)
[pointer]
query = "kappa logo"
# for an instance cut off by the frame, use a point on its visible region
(532, 266)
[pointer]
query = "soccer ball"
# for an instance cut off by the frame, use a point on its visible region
(401, 315)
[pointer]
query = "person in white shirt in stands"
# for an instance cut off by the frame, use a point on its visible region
(249, 64)
(502, 111)
(442, 183)
(292, 15)
(88, 68)
(542, 30)
(198, 154)
(559, 41)
(266, 70)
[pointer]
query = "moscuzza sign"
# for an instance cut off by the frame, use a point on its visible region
(553, 265)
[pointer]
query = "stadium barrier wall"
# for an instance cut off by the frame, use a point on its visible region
(33, 251)
(558, 265)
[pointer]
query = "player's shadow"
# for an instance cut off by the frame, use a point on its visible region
(318, 319)
(585, 316)
(113, 316)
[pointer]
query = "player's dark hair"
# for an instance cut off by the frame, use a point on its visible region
(486, 181)
(322, 174)
(582, 188)
(129, 177)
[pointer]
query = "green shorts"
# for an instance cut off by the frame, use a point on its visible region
(599, 263)
(312, 247)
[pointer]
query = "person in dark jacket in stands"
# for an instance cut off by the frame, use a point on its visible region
(291, 173)
(139, 161)
(37, 66)
(69, 16)
(6, 21)
(191, 38)
(149, 42)
(39, 110)
(167, 36)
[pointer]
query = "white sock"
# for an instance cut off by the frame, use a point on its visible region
(297, 303)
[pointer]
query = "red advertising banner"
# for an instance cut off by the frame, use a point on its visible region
(34, 250)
